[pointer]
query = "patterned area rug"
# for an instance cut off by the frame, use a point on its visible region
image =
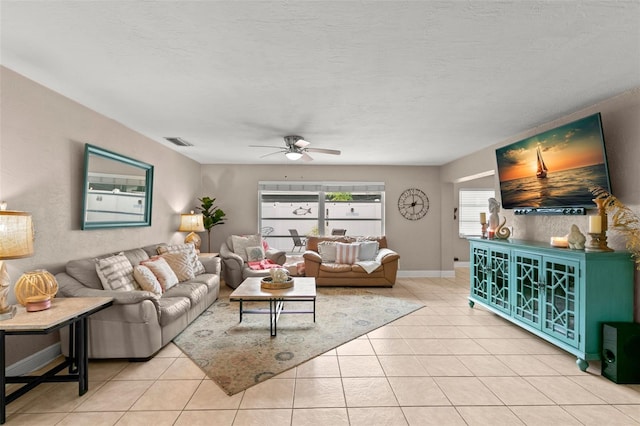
(239, 355)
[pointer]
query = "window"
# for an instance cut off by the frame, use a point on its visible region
(319, 208)
(473, 202)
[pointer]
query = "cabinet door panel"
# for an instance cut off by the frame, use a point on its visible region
(560, 295)
(480, 274)
(527, 273)
(499, 280)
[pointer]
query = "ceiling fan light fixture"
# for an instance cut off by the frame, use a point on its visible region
(293, 156)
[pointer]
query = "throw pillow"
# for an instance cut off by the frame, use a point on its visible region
(190, 249)
(327, 251)
(145, 278)
(255, 254)
(368, 250)
(180, 263)
(162, 271)
(116, 273)
(347, 253)
(241, 242)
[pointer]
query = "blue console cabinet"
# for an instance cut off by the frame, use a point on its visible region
(560, 295)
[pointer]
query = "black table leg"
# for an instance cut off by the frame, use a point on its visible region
(3, 382)
(82, 357)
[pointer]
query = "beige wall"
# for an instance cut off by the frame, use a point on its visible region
(622, 135)
(235, 187)
(41, 165)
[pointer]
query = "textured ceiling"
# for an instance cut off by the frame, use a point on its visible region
(405, 83)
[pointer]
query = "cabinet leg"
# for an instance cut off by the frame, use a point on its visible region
(582, 364)
(471, 303)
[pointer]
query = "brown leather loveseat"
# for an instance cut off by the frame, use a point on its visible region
(383, 266)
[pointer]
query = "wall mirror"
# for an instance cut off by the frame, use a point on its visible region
(117, 190)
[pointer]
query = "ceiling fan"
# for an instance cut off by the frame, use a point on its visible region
(296, 148)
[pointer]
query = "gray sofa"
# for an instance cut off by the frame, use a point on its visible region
(139, 323)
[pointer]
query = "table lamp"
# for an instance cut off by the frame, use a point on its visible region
(192, 222)
(16, 241)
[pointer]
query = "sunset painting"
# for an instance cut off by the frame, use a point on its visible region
(554, 168)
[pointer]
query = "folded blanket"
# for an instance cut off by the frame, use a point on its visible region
(369, 265)
(263, 264)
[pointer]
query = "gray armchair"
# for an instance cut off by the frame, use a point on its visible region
(235, 269)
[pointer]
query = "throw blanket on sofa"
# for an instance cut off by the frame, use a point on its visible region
(263, 264)
(369, 265)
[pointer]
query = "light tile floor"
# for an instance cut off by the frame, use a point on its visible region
(446, 364)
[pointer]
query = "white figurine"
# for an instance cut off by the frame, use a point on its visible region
(575, 238)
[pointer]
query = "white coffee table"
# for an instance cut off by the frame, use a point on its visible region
(303, 290)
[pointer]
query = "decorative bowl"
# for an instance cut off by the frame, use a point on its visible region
(268, 284)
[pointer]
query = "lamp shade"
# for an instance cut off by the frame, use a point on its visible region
(16, 234)
(35, 284)
(191, 222)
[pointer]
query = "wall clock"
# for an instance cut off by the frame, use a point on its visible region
(413, 204)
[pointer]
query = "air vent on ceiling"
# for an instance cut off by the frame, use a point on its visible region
(178, 141)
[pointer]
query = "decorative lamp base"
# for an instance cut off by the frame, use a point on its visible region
(195, 239)
(9, 313)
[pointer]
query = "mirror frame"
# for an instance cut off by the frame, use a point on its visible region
(90, 150)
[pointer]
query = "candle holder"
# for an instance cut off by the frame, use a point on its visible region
(598, 234)
(484, 230)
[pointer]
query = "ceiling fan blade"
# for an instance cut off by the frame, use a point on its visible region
(306, 157)
(272, 153)
(324, 151)
(301, 143)
(265, 146)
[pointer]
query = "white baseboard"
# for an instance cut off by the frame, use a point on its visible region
(466, 264)
(426, 274)
(35, 361)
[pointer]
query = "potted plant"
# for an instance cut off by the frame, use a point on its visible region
(211, 216)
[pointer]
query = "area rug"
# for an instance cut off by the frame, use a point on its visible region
(238, 355)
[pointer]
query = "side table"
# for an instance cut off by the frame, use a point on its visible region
(73, 312)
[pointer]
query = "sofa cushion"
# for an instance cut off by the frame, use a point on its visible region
(84, 271)
(162, 271)
(255, 253)
(335, 267)
(327, 251)
(210, 280)
(146, 279)
(194, 291)
(368, 250)
(136, 256)
(180, 264)
(116, 273)
(241, 242)
(172, 308)
(190, 250)
(347, 253)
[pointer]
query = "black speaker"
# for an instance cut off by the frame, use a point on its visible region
(621, 352)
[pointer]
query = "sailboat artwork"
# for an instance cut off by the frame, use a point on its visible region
(541, 173)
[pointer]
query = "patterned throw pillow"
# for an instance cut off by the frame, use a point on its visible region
(162, 271)
(255, 254)
(190, 249)
(347, 253)
(241, 242)
(116, 273)
(327, 251)
(181, 264)
(368, 250)
(145, 278)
